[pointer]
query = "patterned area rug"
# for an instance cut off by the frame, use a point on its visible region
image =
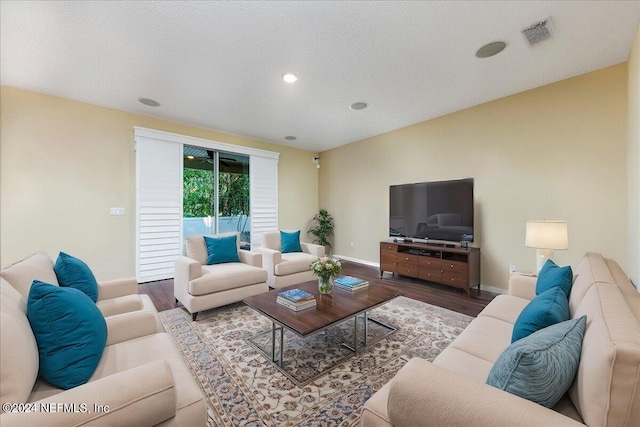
(242, 388)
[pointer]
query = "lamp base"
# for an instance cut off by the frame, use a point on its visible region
(542, 255)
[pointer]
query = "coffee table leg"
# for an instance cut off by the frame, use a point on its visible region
(281, 346)
(366, 321)
(355, 334)
(273, 341)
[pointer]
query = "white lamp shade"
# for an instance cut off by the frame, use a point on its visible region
(547, 235)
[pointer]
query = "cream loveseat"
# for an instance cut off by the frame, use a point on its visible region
(199, 286)
(286, 269)
(141, 378)
(452, 389)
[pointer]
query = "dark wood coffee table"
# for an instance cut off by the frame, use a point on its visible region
(331, 309)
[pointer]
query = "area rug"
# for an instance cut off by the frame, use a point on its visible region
(242, 388)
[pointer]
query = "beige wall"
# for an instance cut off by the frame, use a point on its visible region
(65, 163)
(633, 162)
(555, 152)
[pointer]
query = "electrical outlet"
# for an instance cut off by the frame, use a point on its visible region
(351, 245)
(116, 211)
(512, 268)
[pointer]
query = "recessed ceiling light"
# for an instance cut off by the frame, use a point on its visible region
(149, 102)
(289, 77)
(358, 106)
(190, 157)
(490, 49)
(290, 138)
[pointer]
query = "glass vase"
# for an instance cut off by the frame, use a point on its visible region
(325, 285)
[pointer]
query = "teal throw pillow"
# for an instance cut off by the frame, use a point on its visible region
(221, 249)
(551, 276)
(548, 308)
(73, 273)
(70, 331)
(542, 366)
(290, 242)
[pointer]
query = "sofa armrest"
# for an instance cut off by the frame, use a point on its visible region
(523, 285)
(141, 396)
(188, 268)
(312, 249)
(128, 326)
(108, 289)
(250, 257)
(119, 305)
(270, 258)
(423, 394)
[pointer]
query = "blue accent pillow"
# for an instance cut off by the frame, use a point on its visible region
(221, 249)
(548, 308)
(73, 273)
(542, 366)
(551, 276)
(290, 242)
(70, 331)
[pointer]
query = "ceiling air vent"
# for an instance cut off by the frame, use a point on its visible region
(539, 32)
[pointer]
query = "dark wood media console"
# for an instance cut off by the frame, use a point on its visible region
(455, 267)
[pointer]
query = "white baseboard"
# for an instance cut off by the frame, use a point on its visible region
(359, 261)
(377, 265)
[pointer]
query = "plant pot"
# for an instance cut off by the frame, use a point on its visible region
(325, 285)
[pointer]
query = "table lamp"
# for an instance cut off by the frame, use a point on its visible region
(546, 236)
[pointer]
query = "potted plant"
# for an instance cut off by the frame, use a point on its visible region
(326, 269)
(322, 229)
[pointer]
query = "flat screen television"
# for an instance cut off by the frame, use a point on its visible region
(441, 210)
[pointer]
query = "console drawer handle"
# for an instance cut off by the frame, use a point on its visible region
(451, 265)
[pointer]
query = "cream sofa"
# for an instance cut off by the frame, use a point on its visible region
(199, 286)
(289, 268)
(452, 389)
(141, 378)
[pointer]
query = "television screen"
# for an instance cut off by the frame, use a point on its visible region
(440, 210)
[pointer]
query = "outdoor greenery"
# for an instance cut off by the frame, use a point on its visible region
(322, 228)
(199, 193)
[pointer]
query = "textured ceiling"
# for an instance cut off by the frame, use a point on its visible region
(219, 64)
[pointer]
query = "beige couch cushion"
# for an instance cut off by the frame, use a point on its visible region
(294, 262)
(18, 348)
(229, 275)
(606, 389)
(629, 292)
(591, 268)
(21, 274)
(463, 363)
(505, 307)
(195, 248)
(485, 338)
(271, 240)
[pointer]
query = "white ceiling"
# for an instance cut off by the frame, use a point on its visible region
(219, 64)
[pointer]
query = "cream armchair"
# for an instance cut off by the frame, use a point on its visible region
(289, 268)
(114, 296)
(199, 286)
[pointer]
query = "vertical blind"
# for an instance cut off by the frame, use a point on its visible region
(263, 174)
(159, 197)
(159, 208)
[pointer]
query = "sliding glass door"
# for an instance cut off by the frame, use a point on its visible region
(216, 195)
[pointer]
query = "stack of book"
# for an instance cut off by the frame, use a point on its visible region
(350, 283)
(296, 299)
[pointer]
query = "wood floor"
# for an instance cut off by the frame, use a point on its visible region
(161, 292)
